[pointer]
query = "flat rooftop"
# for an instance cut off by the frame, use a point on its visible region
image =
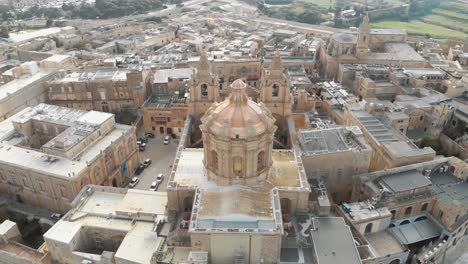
(163, 75)
(190, 170)
(109, 74)
(405, 181)
(24, 36)
(361, 211)
(396, 52)
(329, 140)
(416, 231)
(75, 126)
(10, 88)
(396, 144)
(384, 243)
(388, 31)
(132, 212)
(449, 188)
(333, 241)
(237, 207)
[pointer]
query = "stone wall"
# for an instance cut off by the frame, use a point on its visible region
(453, 147)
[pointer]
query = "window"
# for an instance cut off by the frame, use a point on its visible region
(424, 207)
(261, 160)
(368, 228)
(103, 95)
(275, 91)
(421, 118)
(456, 217)
(405, 222)
(420, 218)
(214, 159)
(204, 89)
(441, 214)
(237, 165)
(393, 212)
(408, 211)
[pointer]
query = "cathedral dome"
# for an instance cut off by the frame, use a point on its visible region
(238, 117)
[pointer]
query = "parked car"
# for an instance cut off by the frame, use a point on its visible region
(146, 163)
(166, 140)
(56, 216)
(154, 186)
(140, 143)
(140, 169)
(133, 182)
(160, 178)
(149, 135)
(143, 140)
(141, 148)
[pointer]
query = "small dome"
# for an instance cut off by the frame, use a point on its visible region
(238, 117)
(344, 38)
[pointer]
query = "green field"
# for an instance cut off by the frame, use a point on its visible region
(446, 22)
(449, 20)
(418, 27)
(321, 3)
(450, 14)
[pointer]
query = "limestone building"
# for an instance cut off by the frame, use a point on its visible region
(107, 90)
(166, 114)
(335, 155)
(24, 86)
(391, 148)
(110, 225)
(422, 206)
(48, 153)
(368, 46)
(237, 188)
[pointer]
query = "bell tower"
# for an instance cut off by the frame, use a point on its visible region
(275, 90)
(204, 87)
(362, 47)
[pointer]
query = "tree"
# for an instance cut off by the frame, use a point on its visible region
(432, 143)
(4, 32)
(49, 22)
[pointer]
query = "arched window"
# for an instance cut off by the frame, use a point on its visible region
(261, 160)
(275, 90)
(204, 89)
(456, 217)
(454, 242)
(214, 160)
(424, 207)
(405, 222)
(408, 211)
(237, 166)
(393, 212)
(420, 218)
(368, 228)
(441, 214)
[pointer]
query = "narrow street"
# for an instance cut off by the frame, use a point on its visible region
(162, 157)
